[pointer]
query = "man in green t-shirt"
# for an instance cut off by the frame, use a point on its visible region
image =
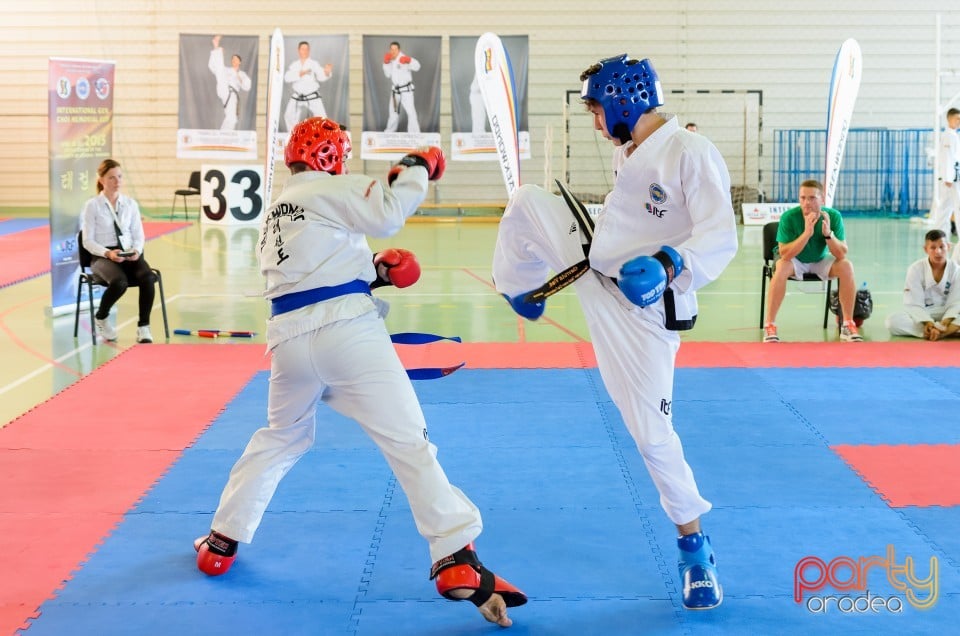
(811, 241)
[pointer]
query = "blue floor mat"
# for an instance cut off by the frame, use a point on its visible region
(18, 225)
(570, 515)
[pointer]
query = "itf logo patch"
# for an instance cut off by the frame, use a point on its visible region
(657, 194)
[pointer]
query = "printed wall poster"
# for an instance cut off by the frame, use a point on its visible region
(401, 100)
(218, 96)
(316, 82)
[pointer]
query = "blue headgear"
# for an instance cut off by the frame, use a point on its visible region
(625, 88)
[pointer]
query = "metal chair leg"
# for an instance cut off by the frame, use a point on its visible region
(826, 303)
(763, 298)
(163, 303)
(93, 316)
(76, 313)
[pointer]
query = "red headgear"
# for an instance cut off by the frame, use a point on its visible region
(318, 142)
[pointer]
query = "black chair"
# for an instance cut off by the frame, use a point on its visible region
(192, 190)
(769, 261)
(88, 278)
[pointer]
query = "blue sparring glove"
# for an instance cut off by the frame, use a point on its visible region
(644, 279)
(530, 311)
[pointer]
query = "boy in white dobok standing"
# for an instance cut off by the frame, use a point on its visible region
(666, 230)
(329, 344)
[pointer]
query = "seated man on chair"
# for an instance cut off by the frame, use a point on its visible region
(811, 241)
(113, 234)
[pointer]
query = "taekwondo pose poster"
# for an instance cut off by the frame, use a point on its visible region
(218, 96)
(401, 97)
(471, 139)
(315, 80)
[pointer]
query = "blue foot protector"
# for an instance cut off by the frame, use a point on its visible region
(698, 571)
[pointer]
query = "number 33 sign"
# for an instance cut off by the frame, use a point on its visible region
(231, 194)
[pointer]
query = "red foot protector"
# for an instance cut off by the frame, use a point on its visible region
(215, 553)
(462, 570)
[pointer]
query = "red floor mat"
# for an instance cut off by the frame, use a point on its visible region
(26, 254)
(547, 355)
(900, 353)
(73, 465)
(914, 475)
(500, 355)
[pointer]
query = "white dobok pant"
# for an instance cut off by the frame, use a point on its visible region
(403, 100)
(949, 205)
(636, 357)
(635, 352)
(901, 323)
(350, 365)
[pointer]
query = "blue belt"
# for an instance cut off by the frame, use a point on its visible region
(296, 300)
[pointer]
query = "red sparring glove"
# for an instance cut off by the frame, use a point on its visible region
(405, 59)
(387, 58)
(397, 267)
(394, 171)
(436, 162)
(430, 157)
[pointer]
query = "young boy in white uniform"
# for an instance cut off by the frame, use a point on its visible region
(931, 294)
(948, 186)
(666, 230)
(329, 343)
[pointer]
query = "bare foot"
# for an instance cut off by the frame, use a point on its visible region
(495, 611)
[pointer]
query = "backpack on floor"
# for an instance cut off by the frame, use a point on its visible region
(862, 305)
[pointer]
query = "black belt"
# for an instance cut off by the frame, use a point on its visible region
(309, 97)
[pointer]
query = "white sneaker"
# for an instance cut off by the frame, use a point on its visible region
(770, 333)
(849, 333)
(106, 331)
(143, 334)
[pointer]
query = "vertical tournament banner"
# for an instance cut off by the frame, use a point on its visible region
(218, 97)
(80, 127)
(471, 139)
(401, 96)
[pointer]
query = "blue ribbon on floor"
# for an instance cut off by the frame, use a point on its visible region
(414, 338)
(426, 373)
